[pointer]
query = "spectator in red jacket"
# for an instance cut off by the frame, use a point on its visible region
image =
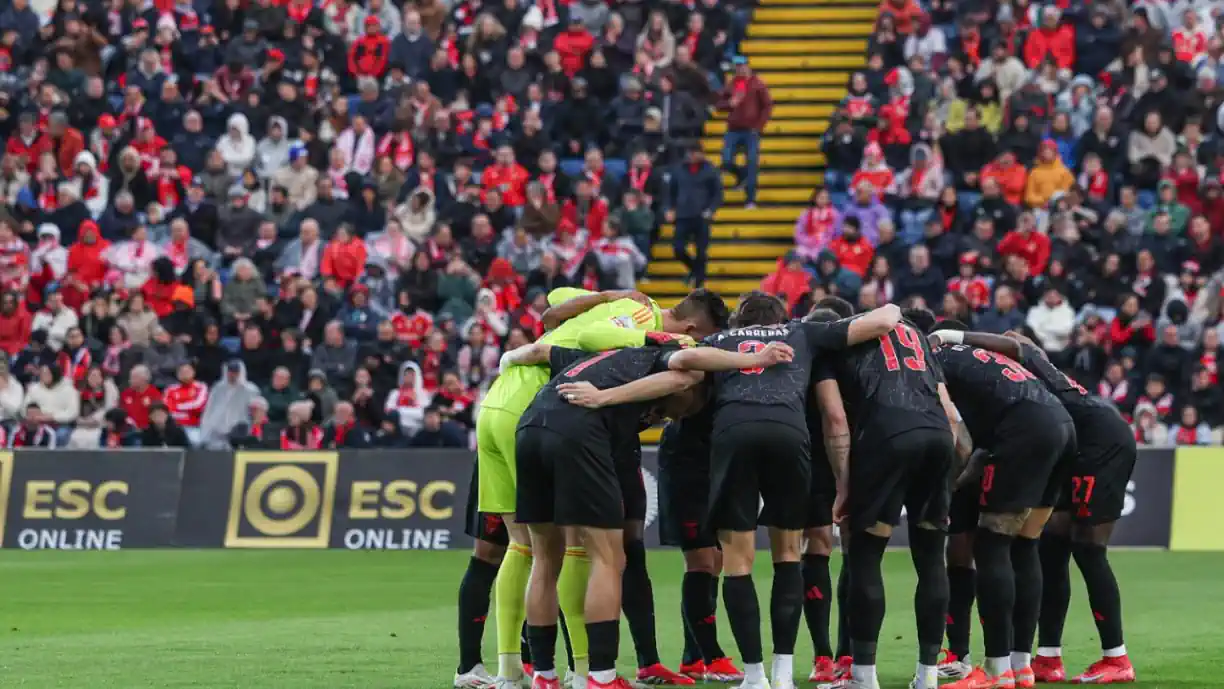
(62, 141)
(573, 45)
(790, 281)
(344, 258)
(508, 177)
(1132, 327)
(973, 286)
(139, 396)
(853, 251)
(749, 106)
(1052, 42)
(585, 210)
(186, 400)
(1027, 242)
(369, 54)
(14, 324)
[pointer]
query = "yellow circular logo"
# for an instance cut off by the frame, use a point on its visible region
(288, 510)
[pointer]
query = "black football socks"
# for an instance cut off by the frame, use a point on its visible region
(931, 595)
(744, 614)
(843, 609)
(961, 593)
(996, 591)
(1055, 553)
(817, 601)
(543, 643)
(866, 598)
(637, 601)
(1103, 593)
(698, 601)
(1027, 566)
(474, 593)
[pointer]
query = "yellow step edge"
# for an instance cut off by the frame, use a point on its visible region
(739, 250)
(813, 46)
(807, 62)
(769, 144)
(678, 269)
(780, 79)
(775, 127)
(808, 94)
(788, 29)
(795, 111)
(816, 3)
(767, 214)
(795, 195)
(780, 232)
(769, 179)
(720, 285)
(815, 14)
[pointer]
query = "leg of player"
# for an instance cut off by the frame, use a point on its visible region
(474, 595)
(572, 592)
(996, 596)
(1026, 563)
(864, 558)
(548, 545)
(844, 658)
(699, 605)
(927, 545)
(962, 577)
(1055, 553)
(785, 602)
(510, 590)
(637, 600)
(817, 600)
(743, 608)
(1088, 546)
(606, 548)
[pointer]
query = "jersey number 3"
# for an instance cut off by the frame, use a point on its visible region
(751, 347)
(909, 340)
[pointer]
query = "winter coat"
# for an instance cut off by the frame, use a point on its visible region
(238, 153)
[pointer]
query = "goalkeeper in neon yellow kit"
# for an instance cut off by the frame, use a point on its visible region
(596, 322)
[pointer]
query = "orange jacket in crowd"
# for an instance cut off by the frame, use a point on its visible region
(344, 261)
(853, 256)
(511, 181)
(904, 12)
(1057, 44)
(572, 47)
(65, 149)
(1011, 178)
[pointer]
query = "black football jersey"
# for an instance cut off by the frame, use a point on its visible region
(686, 442)
(603, 370)
(984, 385)
(777, 393)
(1097, 421)
(891, 385)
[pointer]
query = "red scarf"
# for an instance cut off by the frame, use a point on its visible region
(820, 221)
(399, 147)
(179, 254)
(298, 12)
(301, 438)
(406, 398)
(75, 364)
(48, 200)
(1186, 436)
(549, 181)
(638, 178)
(1208, 361)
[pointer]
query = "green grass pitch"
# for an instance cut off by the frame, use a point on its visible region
(375, 620)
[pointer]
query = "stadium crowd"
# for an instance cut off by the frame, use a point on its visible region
(292, 224)
(1050, 168)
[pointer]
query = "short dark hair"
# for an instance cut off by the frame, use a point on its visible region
(836, 304)
(819, 315)
(922, 318)
(702, 303)
(759, 308)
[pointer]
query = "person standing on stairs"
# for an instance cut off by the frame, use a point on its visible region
(748, 104)
(694, 193)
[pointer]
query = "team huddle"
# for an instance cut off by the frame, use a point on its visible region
(1004, 468)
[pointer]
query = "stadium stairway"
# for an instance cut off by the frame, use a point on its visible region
(804, 50)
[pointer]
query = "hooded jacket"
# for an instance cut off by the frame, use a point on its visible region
(61, 399)
(417, 223)
(789, 284)
(408, 405)
(1047, 178)
(93, 191)
(924, 183)
(228, 405)
(238, 154)
(271, 154)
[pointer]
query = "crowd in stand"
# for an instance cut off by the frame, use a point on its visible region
(298, 224)
(1054, 169)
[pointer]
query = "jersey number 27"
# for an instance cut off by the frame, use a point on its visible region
(909, 339)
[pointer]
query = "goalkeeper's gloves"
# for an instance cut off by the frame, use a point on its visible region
(662, 339)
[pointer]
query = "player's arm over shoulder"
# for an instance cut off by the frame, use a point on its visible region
(714, 359)
(1005, 345)
(565, 303)
(851, 331)
(538, 353)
